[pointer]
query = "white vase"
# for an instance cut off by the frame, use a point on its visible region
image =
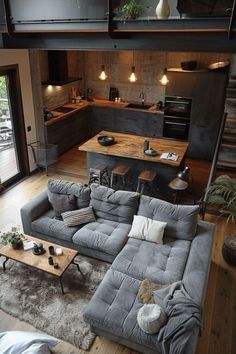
(163, 10)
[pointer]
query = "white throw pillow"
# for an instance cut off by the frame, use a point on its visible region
(151, 317)
(147, 229)
(16, 342)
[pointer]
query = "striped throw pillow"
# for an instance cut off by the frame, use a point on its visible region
(78, 216)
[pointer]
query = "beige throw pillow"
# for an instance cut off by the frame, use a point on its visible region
(147, 229)
(78, 216)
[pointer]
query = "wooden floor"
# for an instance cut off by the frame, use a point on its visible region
(8, 163)
(219, 335)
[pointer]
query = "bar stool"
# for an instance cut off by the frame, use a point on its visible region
(98, 174)
(119, 171)
(145, 177)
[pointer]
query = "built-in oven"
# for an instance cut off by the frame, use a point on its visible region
(177, 114)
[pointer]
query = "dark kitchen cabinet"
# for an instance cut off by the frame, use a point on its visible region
(68, 132)
(125, 121)
(3, 24)
(207, 90)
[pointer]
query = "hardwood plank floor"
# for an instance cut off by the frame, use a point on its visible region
(220, 305)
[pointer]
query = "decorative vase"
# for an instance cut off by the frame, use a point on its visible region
(17, 244)
(163, 10)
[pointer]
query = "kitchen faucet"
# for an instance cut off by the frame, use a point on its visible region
(141, 95)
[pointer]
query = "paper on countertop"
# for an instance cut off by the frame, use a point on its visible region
(169, 156)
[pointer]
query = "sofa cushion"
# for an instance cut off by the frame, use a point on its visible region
(113, 205)
(78, 216)
(181, 219)
(80, 191)
(103, 235)
(147, 229)
(50, 226)
(114, 308)
(163, 264)
(61, 203)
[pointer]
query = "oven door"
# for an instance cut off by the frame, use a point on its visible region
(176, 129)
(178, 107)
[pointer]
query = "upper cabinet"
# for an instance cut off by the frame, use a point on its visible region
(3, 24)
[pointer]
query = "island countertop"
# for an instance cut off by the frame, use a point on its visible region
(131, 146)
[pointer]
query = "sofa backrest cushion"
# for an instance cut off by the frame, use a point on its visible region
(181, 219)
(80, 191)
(113, 205)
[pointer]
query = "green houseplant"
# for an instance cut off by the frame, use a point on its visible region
(14, 237)
(131, 10)
(222, 192)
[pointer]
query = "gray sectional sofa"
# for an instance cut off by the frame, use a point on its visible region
(181, 262)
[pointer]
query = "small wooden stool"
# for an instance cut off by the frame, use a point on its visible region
(119, 171)
(98, 174)
(146, 176)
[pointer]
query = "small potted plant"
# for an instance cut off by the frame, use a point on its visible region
(14, 237)
(131, 10)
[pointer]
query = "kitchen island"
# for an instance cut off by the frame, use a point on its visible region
(128, 151)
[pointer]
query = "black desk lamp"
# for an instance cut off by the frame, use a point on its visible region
(180, 182)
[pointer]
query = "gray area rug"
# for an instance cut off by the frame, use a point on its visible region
(35, 297)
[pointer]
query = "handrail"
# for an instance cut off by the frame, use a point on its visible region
(232, 21)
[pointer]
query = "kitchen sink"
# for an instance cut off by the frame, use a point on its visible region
(64, 109)
(138, 106)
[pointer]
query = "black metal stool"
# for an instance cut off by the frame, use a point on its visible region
(146, 176)
(99, 174)
(119, 171)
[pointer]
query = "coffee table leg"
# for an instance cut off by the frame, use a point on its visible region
(78, 267)
(62, 288)
(4, 263)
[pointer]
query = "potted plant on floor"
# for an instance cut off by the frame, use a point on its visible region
(14, 237)
(222, 193)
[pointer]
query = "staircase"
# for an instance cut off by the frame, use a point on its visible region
(227, 154)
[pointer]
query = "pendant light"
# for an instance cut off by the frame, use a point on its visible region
(132, 77)
(103, 75)
(164, 80)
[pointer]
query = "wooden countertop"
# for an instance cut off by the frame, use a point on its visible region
(131, 146)
(58, 116)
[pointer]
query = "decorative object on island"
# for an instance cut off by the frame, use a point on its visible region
(163, 10)
(131, 10)
(14, 237)
(106, 140)
(219, 66)
(103, 75)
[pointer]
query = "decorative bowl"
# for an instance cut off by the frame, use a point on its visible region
(218, 66)
(150, 152)
(106, 140)
(188, 65)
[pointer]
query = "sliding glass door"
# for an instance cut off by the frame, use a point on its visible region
(12, 137)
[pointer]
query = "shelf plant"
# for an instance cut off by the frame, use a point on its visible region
(14, 237)
(131, 10)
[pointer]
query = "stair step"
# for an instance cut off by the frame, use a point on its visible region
(229, 138)
(228, 146)
(232, 82)
(230, 130)
(231, 92)
(226, 164)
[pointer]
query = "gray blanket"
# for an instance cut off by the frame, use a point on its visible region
(184, 317)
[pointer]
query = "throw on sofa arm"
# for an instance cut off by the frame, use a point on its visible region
(34, 209)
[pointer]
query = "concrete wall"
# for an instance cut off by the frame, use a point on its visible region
(21, 58)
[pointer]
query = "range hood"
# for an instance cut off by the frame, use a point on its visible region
(58, 69)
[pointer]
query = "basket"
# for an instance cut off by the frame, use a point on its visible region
(44, 154)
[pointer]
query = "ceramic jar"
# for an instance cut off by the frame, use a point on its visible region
(163, 10)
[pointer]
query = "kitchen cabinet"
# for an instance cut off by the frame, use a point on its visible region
(68, 132)
(125, 121)
(207, 90)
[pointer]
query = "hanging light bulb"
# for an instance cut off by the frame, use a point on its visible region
(164, 80)
(103, 75)
(132, 77)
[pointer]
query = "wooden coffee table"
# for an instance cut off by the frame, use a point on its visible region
(41, 261)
